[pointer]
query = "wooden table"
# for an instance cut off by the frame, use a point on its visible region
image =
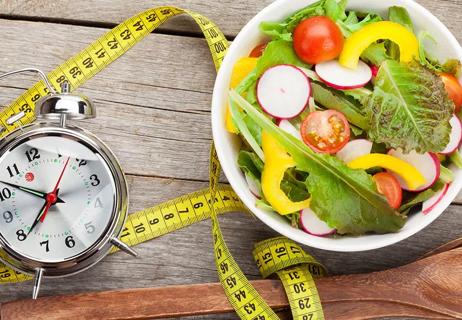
(154, 112)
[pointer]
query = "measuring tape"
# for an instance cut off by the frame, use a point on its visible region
(279, 255)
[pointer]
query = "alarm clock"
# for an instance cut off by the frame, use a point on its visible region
(63, 194)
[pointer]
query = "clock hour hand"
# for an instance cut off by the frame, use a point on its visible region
(45, 206)
(39, 194)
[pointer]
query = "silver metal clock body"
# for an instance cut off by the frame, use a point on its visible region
(63, 194)
(99, 248)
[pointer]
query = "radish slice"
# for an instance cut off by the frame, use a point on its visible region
(283, 91)
(288, 127)
(374, 70)
(254, 186)
(427, 206)
(311, 224)
(354, 149)
(338, 77)
(428, 165)
(456, 135)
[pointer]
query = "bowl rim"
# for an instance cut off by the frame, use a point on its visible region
(376, 241)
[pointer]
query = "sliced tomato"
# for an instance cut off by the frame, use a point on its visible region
(317, 39)
(388, 185)
(454, 89)
(258, 51)
(325, 131)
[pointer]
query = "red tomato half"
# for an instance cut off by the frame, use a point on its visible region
(325, 131)
(454, 89)
(317, 39)
(388, 185)
(258, 50)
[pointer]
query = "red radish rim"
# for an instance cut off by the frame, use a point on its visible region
(374, 69)
(442, 194)
(334, 231)
(460, 139)
(437, 162)
(340, 87)
(307, 99)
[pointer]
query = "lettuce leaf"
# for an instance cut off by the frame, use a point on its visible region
(344, 198)
(283, 30)
(409, 108)
(451, 66)
(337, 100)
(278, 52)
(375, 54)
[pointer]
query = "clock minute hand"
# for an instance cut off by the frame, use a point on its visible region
(53, 195)
(37, 193)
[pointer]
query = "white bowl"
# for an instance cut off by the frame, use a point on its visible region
(227, 146)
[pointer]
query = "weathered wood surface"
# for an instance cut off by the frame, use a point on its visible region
(419, 289)
(163, 87)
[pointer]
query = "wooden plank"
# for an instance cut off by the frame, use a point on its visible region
(416, 290)
(230, 15)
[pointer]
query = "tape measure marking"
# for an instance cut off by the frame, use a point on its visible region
(191, 208)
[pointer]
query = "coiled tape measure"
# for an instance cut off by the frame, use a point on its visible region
(279, 255)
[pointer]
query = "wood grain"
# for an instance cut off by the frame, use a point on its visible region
(429, 288)
(231, 15)
(166, 99)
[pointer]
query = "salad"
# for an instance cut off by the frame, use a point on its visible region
(348, 124)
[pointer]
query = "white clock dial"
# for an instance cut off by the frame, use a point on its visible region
(57, 198)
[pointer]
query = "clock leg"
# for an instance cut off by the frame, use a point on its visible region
(37, 282)
(122, 246)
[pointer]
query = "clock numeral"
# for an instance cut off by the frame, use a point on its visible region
(81, 162)
(21, 235)
(32, 154)
(47, 248)
(13, 170)
(5, 194)
(94, 180)
(70, 243)
(8, 216)
(90, 228)
(98, 203)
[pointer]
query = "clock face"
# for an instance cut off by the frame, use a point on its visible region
(57, 197)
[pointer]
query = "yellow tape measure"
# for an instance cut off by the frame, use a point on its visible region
(275, 256)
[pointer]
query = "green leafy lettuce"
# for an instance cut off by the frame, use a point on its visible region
(278, 52)
(375, 54)
(333, 99)
(451, 66)
(415, 200)
(409, 108)
(344, 198)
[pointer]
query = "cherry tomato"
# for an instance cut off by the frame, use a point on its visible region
(258, 50)
(325, 131)
(388, 185)
(454, 89)
(317, 39)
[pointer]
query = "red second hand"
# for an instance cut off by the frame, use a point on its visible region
(52, 197)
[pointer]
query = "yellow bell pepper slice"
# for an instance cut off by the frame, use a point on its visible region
(240, 70)
(409, 173)
(383, 30)
(277, 161)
